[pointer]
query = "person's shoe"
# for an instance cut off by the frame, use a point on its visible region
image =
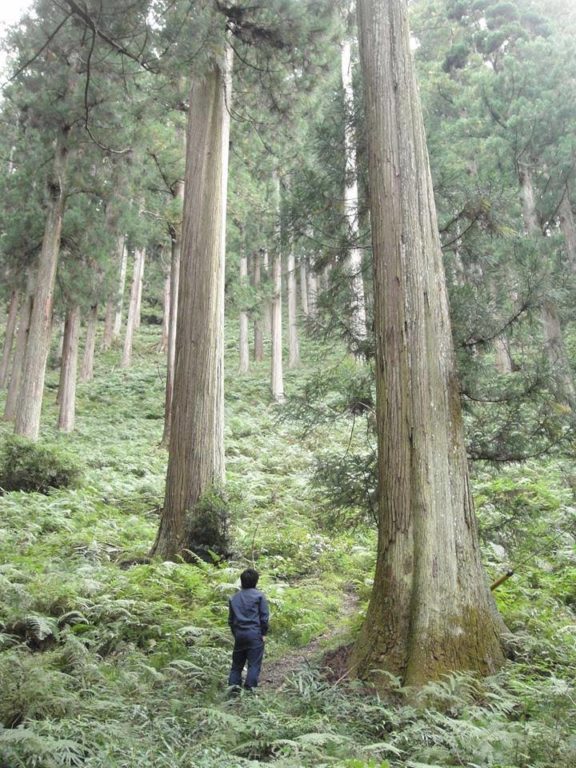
(233, 691)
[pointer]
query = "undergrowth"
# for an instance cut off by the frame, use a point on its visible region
(109, 660)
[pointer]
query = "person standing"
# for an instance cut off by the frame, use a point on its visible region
(248, 617)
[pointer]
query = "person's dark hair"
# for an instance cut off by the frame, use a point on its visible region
(249, 578)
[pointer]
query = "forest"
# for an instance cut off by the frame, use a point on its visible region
(288, 286)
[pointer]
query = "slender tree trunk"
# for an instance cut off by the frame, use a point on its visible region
(107, 334)
(18, 359)
(243, 336)
(140, 288)
(27, 421)
(163, 346)
(354, 260)
(431, 611)
(123, 254)
(9, 337)
(293, 345)
(502, 354)
(258, 333)
(304, 287)
(312, 293)
(277, 375)
(87, 370)
(552, 330)
(68, 370)
(196, 452)
(139, 256)
(176, 252)
(266, 276)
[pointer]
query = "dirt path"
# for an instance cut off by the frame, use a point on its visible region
(276, 671)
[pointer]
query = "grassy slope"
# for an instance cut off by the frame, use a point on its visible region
(129, 664)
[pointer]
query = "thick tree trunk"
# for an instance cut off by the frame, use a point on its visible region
(18, 359)
(68, 370)
(133, 310)
(554, 348)
(277, 374)
(243, 332)
(87, 369)
(196, 452)
(258, 332)
(9, 337)
(431, 611)
(173, 319)
(27, 421)
(354, 260)
(293, 345)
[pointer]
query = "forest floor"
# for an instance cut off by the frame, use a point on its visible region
(327, 653)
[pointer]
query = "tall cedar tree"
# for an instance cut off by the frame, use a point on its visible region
(431, 611)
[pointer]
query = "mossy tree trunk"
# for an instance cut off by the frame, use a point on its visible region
(431, 610)
(196, 450)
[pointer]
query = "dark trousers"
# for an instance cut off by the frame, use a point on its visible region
(246, 651)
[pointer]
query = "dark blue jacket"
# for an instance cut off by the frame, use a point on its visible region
(248, 614)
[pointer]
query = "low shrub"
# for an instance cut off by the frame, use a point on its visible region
(28, 466)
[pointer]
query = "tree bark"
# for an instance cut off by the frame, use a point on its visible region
(243, 319)
(9, 337)
(304, 286)
(354, 259)
(568, 227)
(140, 288)
(277, 375)
(554, 348)
(139, 257)
(163, 346)
(87, 369)
(431, 611)
(176, 252)
(123, 259)
(18, 359)
(258, 333)
(27, 421)
(107, 334)
(293, 345)
(196, 452)
(68, 370)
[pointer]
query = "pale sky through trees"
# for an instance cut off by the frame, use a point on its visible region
(10, 12)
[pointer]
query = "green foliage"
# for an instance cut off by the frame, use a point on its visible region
(208, 525)
(27, 466)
